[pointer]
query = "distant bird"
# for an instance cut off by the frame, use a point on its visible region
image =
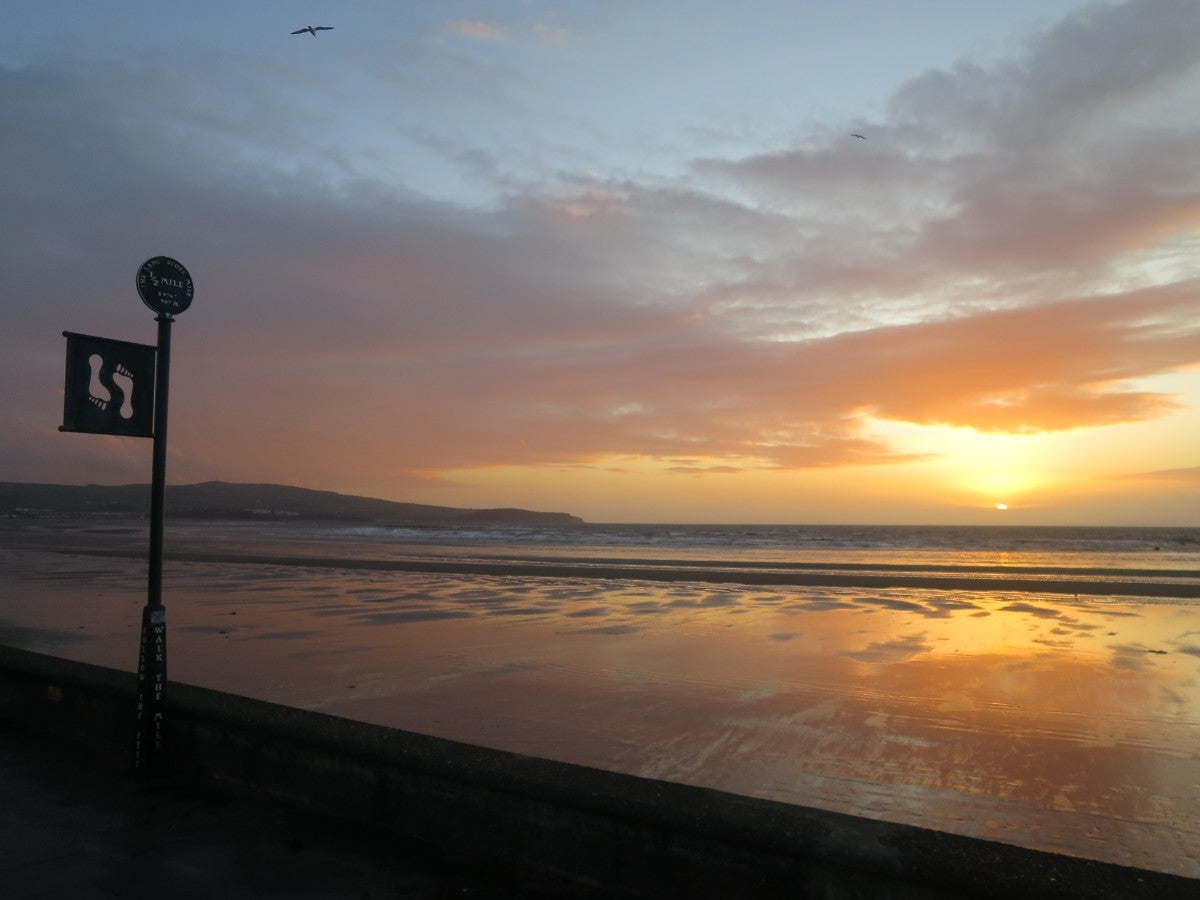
(861, 137)
(313, 29)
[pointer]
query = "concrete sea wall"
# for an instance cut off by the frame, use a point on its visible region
(585, 831)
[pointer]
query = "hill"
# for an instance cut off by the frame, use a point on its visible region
(223, 500)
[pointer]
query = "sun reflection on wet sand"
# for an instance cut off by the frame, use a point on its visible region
(1037, 719)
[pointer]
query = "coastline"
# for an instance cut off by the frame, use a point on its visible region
(109, 539)
(1069, 581)
(1027, 716)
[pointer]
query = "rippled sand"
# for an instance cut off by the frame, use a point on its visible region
(1040, 719)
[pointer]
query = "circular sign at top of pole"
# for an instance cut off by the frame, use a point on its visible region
(164, 285)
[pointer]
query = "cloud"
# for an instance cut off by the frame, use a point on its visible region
(1022, 168)
(478, 31)
(705, 470)
(551, 34)
(753, 313)
(1012, 369)
(1184, 476)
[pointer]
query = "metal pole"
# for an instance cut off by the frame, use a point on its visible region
(158, 472)
(149, 751)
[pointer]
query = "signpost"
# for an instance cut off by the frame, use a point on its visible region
(110, 385)
(165, 286)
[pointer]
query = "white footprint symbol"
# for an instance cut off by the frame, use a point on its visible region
(98, 394)
(123, 379)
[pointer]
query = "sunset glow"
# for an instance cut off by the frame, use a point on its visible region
(443, 258)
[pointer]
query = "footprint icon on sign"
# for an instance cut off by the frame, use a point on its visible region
(104, 383)
(98, 394)
(123, 379)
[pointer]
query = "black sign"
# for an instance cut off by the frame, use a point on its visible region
(110, 386)
(164, 285)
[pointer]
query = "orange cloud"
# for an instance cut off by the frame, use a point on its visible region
(976, 264)
(1183, 476)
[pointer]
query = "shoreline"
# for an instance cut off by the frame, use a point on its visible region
(126, 540)
(1184, 584)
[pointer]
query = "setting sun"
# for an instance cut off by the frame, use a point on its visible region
(692, 311)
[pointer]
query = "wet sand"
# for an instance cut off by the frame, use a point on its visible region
(1035, 717)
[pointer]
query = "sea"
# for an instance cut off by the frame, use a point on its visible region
(1138, 552)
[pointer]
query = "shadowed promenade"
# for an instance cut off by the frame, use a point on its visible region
(74, 825)
(265, 800)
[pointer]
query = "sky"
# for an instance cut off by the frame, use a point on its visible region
(623, 260)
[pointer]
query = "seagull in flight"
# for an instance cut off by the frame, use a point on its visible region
(861, 137)
(313, 29)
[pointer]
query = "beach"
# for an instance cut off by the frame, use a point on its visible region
(1038, 703)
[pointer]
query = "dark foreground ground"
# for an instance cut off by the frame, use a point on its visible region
(74, 826)
(273, 801)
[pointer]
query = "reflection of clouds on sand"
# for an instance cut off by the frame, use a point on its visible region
(1041, 612)
(760, 692)
(1050, 642)
(410, 615)
(610, 629)
(588, 612)
(287, 636)
(1039, 719)
(44, 640)
(1133, 658)
(899, 605)
(895, 650)
(819, 605)
(948, 605)
(1188, 642)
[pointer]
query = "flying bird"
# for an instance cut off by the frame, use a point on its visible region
(313, 29)
(861, 137)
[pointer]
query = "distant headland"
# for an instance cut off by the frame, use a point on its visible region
(249, 502)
